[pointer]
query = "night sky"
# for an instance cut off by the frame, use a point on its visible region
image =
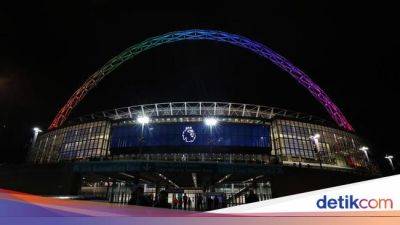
(47, 49)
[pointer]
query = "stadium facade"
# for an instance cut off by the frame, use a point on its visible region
(194, 136)
(242, 132)
(218, 151)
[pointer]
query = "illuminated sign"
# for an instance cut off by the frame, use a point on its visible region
(191, 135)
(188, 135)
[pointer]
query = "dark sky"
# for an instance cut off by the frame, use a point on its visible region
(47, 49)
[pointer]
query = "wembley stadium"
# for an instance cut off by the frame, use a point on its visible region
(196, 147)
(206, 151)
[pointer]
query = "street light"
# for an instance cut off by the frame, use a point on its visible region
(316, 136)
(365, 150)
(315, 139)
(36, 131)
(390, 158)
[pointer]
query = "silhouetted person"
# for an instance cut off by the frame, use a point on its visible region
(180, 201)
(132, 200)
(200, 203)
(251, 197)
(189, 203)
(209, 202)
(138, 198)
(223, 203)
(185, 201)
(175, 202)
(162, 201)
(216, 202)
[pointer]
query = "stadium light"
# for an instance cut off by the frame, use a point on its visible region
(390, 158)
(365, 150)
(315, 136)
(143, 120)
(315, 139)
(210, 121)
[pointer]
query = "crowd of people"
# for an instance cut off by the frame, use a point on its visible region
(182, 201)
(199, 202)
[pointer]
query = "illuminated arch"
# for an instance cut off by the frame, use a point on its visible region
(219, 36)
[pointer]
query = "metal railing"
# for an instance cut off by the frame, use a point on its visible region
(226, 109)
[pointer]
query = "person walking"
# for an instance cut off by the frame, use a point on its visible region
(174, 202)
(189, 204)
(209, 203)
(199, 202)
(251, 197)
(162, 201)
(185, 201)
(179, 201)
(216, 202)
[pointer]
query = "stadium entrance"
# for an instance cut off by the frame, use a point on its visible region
(187, 185)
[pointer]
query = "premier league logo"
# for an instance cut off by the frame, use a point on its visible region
(188, 135)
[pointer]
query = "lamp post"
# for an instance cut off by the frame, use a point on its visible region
(390, 159)
(315, 139)
(36, 131)
(365, 150)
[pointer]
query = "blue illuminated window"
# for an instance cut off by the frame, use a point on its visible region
(191, 134)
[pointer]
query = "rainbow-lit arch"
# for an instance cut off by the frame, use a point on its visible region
(213, 35)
